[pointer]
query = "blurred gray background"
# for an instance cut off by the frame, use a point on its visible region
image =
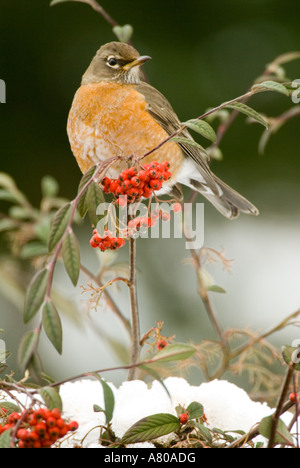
(203, 53)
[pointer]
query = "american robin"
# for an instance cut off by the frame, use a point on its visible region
(115, 112)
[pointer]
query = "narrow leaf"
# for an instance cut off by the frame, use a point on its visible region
(98, 409)
(52, 325)
(282, 434)
(71, 257)
(33, 249)
(94, 197)
(7, 196)
(271, 86)
(244, 109)
(195, 410)
(51, 397)
(203, 128)
(156, 376)
(27, 347)
(189, 142)
(175, 352)
(204, 432)
(82, 206)
(7, 224)
(109, 399)
(35, 294)
(59, 225)
(151, 427)
(215, 288)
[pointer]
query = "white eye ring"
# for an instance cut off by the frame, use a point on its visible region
(112, 62)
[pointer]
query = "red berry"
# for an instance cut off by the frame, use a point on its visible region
(41, 429)
(22, 434)
(51, 421)
(183, 418)
(31, 437)
(63, 431)
(293, 397)
(60, 423)
(13, 418)
(176, 207)
(54, 433)
(56, 413)
(161, 344)
(93, 243)
(73, 426)
(46, 443)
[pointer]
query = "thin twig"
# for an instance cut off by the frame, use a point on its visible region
(278, 411)
(135, 322)
(111, 303)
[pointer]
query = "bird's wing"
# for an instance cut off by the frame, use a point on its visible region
(161, 110)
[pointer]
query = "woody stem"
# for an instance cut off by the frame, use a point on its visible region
(135, 322)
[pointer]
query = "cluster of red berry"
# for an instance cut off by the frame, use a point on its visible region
(137, 184)
(39, 428)
(148, 221)
(106, 242)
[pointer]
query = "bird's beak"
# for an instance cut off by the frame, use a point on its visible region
(137, 62)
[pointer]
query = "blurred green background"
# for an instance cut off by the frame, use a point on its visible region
(203, 53)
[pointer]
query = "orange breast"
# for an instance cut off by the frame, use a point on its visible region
(108, 119)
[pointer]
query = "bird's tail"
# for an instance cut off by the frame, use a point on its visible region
(227, 201)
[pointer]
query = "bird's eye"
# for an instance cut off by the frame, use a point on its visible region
(112, 62)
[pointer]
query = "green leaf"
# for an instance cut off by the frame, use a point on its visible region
(175, 352)
(19, 213)
(189, 142)
(204, 432)
(49, 186)
(271, 86)
(195, 410)
(5, 439)
(42, 229)
(109, 399)
(59, 225)
(35, 294)
(33, 249)
(203, 128)
(156, 376)
(7, 224)
(71, 256)
(123, 33)
(6, 195)
(151, 427)
(282, 434)
(244, 109)
(9, 407)
(291, 356)
(51, 397)
(215, 288)
(82, 206)
(94, 197)
(98, 409)
(27, 347)
(52, 325)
